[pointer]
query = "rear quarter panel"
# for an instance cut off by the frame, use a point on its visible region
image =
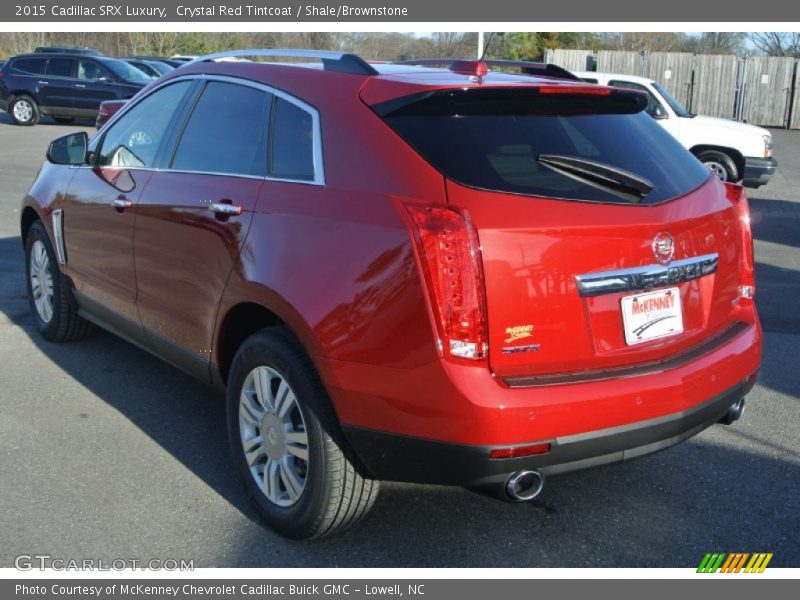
(335, 262)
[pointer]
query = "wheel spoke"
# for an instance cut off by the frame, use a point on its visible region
(291, 480)
(284, 399)
(271, 487)
(261, 379)
(255, 452)
(297, 444)
(42, 260)
(248, 412)
(300, 452)
(251, 444)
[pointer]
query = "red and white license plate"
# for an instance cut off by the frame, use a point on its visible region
(652, 315)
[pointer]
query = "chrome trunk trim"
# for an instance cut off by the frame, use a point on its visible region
(647, 277)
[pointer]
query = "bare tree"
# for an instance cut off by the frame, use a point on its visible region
(776, 43)
(718, 42)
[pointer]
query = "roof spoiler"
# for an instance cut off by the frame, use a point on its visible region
(525, 67)
(340, 62)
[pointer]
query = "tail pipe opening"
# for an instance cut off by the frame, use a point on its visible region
(524, 485)
(734, 413)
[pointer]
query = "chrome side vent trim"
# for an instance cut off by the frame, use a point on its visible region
(58, 234)
(647, 277)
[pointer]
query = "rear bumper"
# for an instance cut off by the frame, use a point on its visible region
(438, 422)
(401, 458)
(758, 171)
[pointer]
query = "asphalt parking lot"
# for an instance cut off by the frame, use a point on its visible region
(106, 452)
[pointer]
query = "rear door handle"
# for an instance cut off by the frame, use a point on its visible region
(44, 83)
(80, 85)
(121, 204)
(225, 209)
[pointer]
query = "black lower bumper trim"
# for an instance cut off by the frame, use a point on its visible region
(402, 458)
(758, 171)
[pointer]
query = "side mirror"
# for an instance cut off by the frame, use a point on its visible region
(71, 149)
(659, 112)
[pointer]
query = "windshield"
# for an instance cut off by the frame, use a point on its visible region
(523, 142)
(127, 71)
(673, 103)
(160, 67)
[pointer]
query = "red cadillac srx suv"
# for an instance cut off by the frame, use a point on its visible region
(474, 274)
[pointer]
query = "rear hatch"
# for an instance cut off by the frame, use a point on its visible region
(604, 243)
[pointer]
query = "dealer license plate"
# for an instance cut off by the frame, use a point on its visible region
(652, 315)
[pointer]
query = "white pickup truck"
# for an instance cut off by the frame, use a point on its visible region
(733, 151)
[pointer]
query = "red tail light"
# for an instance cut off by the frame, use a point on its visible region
(450, 259)
(747, 281)
(470, 67)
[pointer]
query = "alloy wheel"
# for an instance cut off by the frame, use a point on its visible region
(23, 111)
(41, 281)
(273, 435)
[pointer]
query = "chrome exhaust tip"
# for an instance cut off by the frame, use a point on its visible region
(524, 485)
(735, 412)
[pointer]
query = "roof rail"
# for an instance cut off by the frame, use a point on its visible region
(526, 67)
(341, 62)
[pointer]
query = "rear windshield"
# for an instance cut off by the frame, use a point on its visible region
(493, 138)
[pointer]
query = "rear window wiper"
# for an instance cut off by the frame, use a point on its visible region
(622, 183)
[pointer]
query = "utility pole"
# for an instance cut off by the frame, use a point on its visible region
(480, 45)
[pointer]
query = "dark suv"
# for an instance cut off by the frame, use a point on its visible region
(64, 86)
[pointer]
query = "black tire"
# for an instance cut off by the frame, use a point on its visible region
(338, 489)
(63, 120)
(65, 324)
(21, 101)
(722, 165)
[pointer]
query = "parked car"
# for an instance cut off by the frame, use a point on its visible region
(436, 275)
(107, 110)
(184, 57)
(67, 50)
(154, 69)
(64, 86)
(734, 151)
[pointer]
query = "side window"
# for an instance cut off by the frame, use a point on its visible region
(30, 66)
(133, 141)
(292, 152)
(227, 132)
(652, 103)
(589, 79)
(60, 67)
(92, 71)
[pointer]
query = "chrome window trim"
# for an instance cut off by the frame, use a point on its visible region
(58, 235)
(319, 167)
(647, 277)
